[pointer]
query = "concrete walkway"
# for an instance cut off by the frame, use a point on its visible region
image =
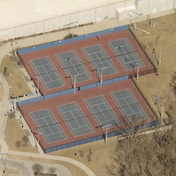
(56, 158)
(25, 168)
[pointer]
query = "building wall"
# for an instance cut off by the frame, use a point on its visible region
(154, 6)
(123, 10)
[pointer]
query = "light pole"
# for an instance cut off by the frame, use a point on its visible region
(37, 78)
(3, 161)
(38, 137)
(137, 74)
(34, 133)
(106, 128)
(101, 74)
(74, 82)
(159, 63)
(12, 48)
(38, 82)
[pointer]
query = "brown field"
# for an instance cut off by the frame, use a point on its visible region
(17, 83)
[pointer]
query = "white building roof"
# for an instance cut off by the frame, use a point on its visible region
(15, 13)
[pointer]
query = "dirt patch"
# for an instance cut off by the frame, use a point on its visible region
(14, 133)
(17, 83)
(94, 155)
(162, 37)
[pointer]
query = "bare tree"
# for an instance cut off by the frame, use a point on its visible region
(37, 168)
(145, 155)
(18, 144)
(25, 139)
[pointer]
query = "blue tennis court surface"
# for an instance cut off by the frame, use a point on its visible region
(72, 64)
(126, 54)
(47, 73)
(99, 60)
(101, 111)
(128, 105)
(75, 118)
(48, 125)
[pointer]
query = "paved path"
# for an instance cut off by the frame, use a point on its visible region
(52, 157)
(25, 167)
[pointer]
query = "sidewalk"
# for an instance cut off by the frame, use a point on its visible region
(52, 157)
(25, 167)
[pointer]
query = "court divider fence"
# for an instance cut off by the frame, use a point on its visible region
(110, 81)
(96, 138)
(65, 41)
(69, 91)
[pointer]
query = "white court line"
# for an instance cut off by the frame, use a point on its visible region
(84, 118)
(123, 98)
(109, 110)
(135, 103)
(51, 115)
(117, 55)
(68, 121)
(79, 64)
(49, 62)
(135, 100)
(77, 121)
(101, 111)
(130, 94)
(55, 71)
(132, 49)
(82, 66)
(128, 44)
(103, 61)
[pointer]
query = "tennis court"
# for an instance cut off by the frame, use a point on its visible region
(99, 59)
(101, 111)
(126, 54)
(68, 117)
(47, 125)
(69, 120)
(128, 105)
(75, 118)
(59, 66)
(47, 73)
(73, 66)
